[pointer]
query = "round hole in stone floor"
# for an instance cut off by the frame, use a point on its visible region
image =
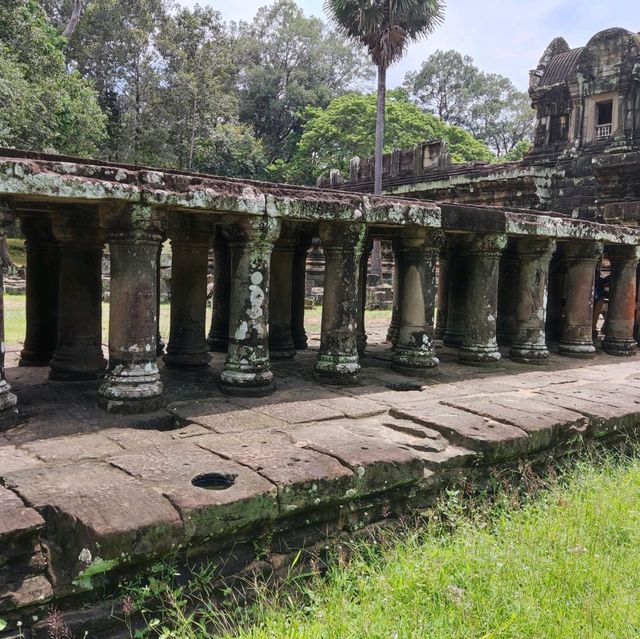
(214, 481)
(404, 386)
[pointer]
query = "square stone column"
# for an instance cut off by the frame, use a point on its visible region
(362, 297)
(299, 291)
(457, 290)
(338, 361)
(190, 240)
(414, 353)
(281, 344)
(529, 344)
(581, 259)
(43, 274)
(618, 327)
(8, 401)
(247, 371)
(78, 352)
(479, 345)
(218, 339)
(132, 383)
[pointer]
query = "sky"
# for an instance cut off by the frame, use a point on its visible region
(502, 36)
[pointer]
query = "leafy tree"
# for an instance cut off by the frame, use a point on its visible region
(385, 28)
(345, 129)
(450, 86)
(43, 105)
(290, 62)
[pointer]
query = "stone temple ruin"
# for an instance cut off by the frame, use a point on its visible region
(103, 457)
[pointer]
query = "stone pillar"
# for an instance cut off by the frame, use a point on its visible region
(555, 303)
(338, 357)
(247, 370)
(457, 294)
(529, 344)
(159, 342)
(479, 345)
(8, 401)
(299, 293)
(443, 293)
(619, 338)
(581, 259)
(394, 326)
(508, 293)
(190, 241)
(361, 336)
(281, 344)
(43, 273)
(218, 339)
(78, 352)
(414, 354)
(132, 384)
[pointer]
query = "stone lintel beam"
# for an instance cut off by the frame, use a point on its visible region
(247, 370)
(479, 345)
(132, 383)
(78, 352)
(581, 259)
(8, 401)
(619, 338)
(43, 273)
(281, 345)
(414, 353)
(218, 338)
(338, 361)
(529, 344)
(190, 237)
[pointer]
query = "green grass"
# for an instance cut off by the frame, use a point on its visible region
(561, 563)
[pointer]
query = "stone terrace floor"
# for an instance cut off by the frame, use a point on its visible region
(301, 441)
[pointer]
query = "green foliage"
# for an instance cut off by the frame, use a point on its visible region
(43, 105)
(557, 561)
(518, 152)
(332, 136)
(450, 86)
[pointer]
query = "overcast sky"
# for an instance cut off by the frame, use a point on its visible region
(502, 36)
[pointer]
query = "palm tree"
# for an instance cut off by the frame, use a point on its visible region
(386, 28)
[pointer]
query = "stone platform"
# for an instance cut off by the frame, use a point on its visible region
(87, 498)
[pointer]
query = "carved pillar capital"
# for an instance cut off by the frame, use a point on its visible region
(583, 252)
(486, 244)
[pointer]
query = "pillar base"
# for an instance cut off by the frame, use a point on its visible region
(132, 389)
(74, 370)
(218, 344)
(339, 370)
(246, 384)
(186, 360)
(300, 341)
(414, 362)
(578, 349)
(620, 347)
(287, 353)
(453, 339)
(281, 348)
(8, 411)
(32, 358)
(529, 354)
(479, 355)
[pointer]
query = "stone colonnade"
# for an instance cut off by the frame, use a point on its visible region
(258, 306)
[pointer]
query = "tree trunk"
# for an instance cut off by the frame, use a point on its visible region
(74, 19)
(6, 262)
(376, 253)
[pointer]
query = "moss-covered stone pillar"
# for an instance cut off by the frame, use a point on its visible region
(529, 344)
(555, 303)
(78, 351)
(508, 293)
(581, 259)
(457, 293)
(132, 383)
(281, 344)
(159, 341)
(247, 370)
(190, 240)
(218, 339)
(394, 326)
(479, 345)
(361, 336)
(299, 292)
(443, 292)
(43, 272)
(338, 361)
(8, 401)
(619, 338)
(414, 353)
